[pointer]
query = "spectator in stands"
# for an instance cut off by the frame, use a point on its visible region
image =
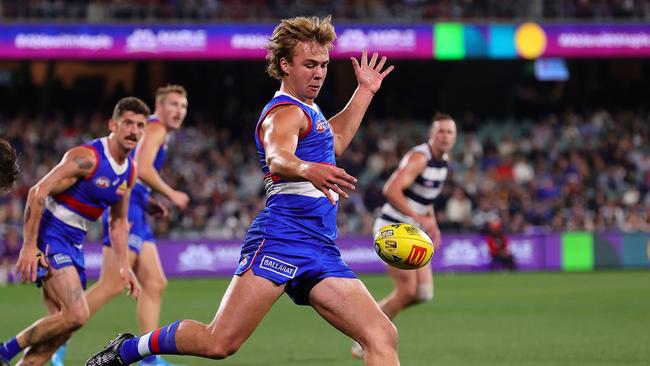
(497, 243)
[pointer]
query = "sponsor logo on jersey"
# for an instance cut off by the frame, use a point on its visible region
(116, 181)
(60, 259)
(277, 266)
(102, 182)
(121, 190)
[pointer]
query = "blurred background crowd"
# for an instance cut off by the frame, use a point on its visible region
(539, 156)
(375, 10)
(560, 172)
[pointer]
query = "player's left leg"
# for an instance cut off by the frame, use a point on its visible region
(347, 305)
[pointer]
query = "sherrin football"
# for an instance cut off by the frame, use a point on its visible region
(403, 246)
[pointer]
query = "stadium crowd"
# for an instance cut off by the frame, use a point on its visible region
(401, 10)
(560, 172)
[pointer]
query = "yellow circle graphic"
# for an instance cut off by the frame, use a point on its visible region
(530, 40)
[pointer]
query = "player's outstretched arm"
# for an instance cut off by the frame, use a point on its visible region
(118, 233)
(77, 163)
(280, 131)
(152, 140)
(369, 75)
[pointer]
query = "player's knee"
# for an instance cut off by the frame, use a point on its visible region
(409, 295)
(77, 316)
(424, 293)
(221, 350)
(383, 339)
(157, 285)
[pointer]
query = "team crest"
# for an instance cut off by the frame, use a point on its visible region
(243, 261)
(321, 125)
(102, 182)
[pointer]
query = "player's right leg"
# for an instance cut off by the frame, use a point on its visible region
(39, 354)
(346, 304)
(63, 288)
(244, 305)
(411, 287)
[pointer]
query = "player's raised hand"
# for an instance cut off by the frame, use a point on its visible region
(369, 73)
(329, 178)
(28, 260)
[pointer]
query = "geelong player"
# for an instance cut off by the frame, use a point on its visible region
(171, 109)
(290, 246)
(89, 179)
(409, 193)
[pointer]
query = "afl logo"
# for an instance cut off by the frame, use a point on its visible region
(321, 125)
(102, 182)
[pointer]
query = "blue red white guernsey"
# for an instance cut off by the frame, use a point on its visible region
(292, 239)
(300, 204)
(421, 194)
(140, 229)
(141, 192)
(67, 215)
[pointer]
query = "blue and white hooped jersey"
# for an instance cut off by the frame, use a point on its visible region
(141, 190)
(72, 210)
(298, 203)
(424, 190)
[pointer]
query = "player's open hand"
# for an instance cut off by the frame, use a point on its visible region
(28, 260)
(329, 178)
(428, 225)
(131, 282)
(369, 73)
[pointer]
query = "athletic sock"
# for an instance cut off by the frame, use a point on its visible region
(9, 349)
(160, 341)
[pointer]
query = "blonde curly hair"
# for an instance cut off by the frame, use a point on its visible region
(291, 31)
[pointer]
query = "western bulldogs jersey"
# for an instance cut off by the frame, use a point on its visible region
(424, 190)
(67, 215)
(140, 192)
(298, 204)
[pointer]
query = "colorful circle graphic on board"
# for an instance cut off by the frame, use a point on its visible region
(530, 40)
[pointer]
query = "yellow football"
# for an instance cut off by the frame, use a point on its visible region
(403, 246)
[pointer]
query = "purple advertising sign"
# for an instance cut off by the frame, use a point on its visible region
(195, 41)
(585, 40)
(397, 41)
(205, 258)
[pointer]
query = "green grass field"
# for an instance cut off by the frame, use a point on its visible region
(525, 319)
